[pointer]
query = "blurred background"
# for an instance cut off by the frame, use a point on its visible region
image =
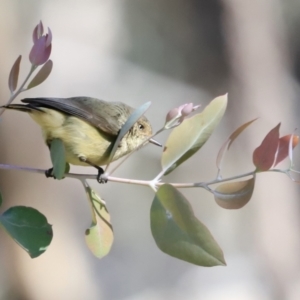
(169, 52)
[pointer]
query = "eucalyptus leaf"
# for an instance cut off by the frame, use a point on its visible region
(186, 139)
(234, 195)
(42, 75)
(229, 141)
(265, 154)
(14, 75)
(29, 228)
(179, 233)
(57, 151)
(99, 237)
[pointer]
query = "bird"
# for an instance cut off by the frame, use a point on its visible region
(87, 128)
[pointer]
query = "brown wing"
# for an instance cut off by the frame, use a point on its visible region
(106, 116)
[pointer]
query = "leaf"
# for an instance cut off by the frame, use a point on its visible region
(99, 237)
(234, 195)
(134, 117)
(42, 75)
(57, 151)
(14, 75)
(283, 148)
(186, 139)
(264, 155)
(179, 233)
(230, 140)
(29, 228)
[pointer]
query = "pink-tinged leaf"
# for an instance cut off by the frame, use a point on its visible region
(264, 155)
(187, 109)
(230, 140)
(40, 53)
(283, 148)
(37, 32)
(42, 75)
(41, 49)
(14, 75)
(48, 37)
(234, 195)
(172, 114)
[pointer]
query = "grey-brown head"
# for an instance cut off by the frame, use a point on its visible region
(139, 132)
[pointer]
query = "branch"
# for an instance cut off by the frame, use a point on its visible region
(150, 183)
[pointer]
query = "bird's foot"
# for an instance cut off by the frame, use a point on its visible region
(101, 177)
(49, 173)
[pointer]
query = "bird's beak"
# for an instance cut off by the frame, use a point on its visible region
(154, 142)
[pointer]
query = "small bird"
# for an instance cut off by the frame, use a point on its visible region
(87, 127)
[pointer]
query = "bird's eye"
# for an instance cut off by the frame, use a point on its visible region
(141, 126)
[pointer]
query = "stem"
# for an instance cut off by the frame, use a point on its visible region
(83, 177)
(31, 170)
(20, 89)
(217, 180)
(160, 175)
(295, 171)
(91, 205)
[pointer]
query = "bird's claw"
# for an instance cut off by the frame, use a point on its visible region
(101, 177)
(49, 173)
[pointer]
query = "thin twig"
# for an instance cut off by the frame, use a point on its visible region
(20, 89)
(150, 183)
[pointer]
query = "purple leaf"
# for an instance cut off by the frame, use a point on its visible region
(42, 75)
(14, 75)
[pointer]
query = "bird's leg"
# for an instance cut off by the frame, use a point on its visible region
(49, 172)
(100, 170)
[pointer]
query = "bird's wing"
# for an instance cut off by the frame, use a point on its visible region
(94, 111)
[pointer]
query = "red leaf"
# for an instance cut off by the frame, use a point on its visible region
(264, 155)
(14, 75)
(283, 148)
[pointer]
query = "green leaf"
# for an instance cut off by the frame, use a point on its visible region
(186, 139)
(179, 233)
(234, 195)
(134, 117)
(99, 237)
(57, 151)
(29, 228)
(42, 75)
(14, 75)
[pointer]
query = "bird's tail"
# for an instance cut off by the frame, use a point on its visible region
(22, 107)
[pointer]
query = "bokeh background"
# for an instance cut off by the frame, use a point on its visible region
(169, 52)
